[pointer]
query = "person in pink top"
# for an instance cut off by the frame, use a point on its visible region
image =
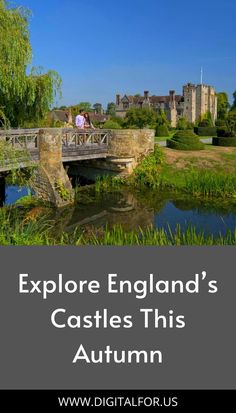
(80, 120)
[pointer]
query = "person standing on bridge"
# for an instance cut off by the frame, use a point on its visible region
(80, 120)
(88, 124)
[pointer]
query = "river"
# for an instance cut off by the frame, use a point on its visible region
(134, 210)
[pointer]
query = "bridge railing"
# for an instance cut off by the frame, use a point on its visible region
(77, 138)
(21, 138)
(71, 138)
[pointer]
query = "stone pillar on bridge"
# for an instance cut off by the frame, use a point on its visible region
(130, 146)
(51, 181)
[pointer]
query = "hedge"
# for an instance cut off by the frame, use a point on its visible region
(205, 131)
(186, 141)
(224, 141)
(223, 132)
(161, 130)
(220, 122)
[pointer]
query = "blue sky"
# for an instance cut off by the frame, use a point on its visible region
(104, 47)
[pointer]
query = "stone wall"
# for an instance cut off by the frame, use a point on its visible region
(136, 143)
(128, 147)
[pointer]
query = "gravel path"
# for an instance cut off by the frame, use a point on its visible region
(205, 140)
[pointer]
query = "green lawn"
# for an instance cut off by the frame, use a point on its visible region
(164, 138)
(161, 138)
(219, 159)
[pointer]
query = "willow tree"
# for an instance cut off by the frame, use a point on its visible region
(24, 98)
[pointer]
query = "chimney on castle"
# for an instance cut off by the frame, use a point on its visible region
(146, 94)
(70, 120)
(117, 100)
(172, 96)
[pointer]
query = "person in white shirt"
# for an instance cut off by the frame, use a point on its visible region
(80, 120)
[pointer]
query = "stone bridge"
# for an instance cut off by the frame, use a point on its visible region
(49, 149)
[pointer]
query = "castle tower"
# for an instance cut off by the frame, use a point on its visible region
(172, 109)
(206, 101)
(212, 102)
(201, 101)
(189, 92)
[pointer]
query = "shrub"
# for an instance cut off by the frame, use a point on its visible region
(147, 173)
(223, 132)
(205, 131)
(220, 122)
(162, 130)
(224, 141)
(111, 124)
(108, 183)
(118, 120)
(183, 124)
(231, 122)
(140, 117)
(204, 123)
(206, 120)
(185, 141)
(54, 124)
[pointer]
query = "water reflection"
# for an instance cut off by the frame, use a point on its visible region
(13, 193)
(135, 210)
(140, 209)
(119, 208)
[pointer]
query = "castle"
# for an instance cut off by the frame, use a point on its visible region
(195, 102)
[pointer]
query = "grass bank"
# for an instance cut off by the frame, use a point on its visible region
(166, 169)
(17, 231)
